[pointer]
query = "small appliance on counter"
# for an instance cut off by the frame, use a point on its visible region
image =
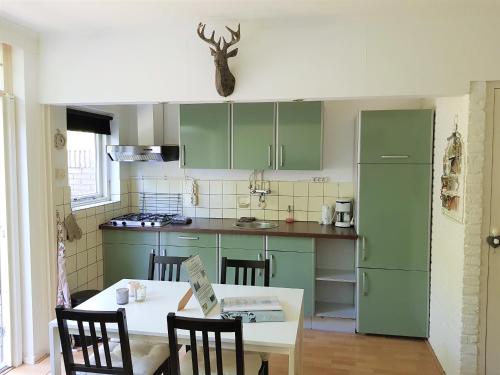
(326, 214)
(343, 212)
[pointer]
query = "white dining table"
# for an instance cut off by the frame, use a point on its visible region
(148, 320)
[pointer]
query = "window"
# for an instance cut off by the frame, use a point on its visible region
(86, 169)
(87, 162)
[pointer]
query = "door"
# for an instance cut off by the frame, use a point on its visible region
(253, 136)
(393, 302)
(208, 256)
(125, 261)
(393, 223)
(493, 255)
(204, 136)
(243, 254)
(294, 270)
(396, 136)
(299, 136)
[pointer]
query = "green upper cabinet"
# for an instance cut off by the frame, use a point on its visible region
(299, 136)
(204, 136)
(253, 136)
(396, 136)
(394, 216)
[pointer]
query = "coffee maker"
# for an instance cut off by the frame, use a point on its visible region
(343, 212)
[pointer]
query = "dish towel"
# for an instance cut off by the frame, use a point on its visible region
(73, 231)
(63, 296)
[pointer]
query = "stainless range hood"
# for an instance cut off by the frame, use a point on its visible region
(143, 153)
(150, 129)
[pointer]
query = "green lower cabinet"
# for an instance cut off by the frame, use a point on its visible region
(124, 261)
(393, 302)
(208, 256)
(243, 254)
(294, 270)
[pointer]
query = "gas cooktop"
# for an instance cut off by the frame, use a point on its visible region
(142, 220)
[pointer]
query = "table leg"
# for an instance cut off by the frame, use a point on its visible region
(291, 361)
(299, 345)
(55, 351)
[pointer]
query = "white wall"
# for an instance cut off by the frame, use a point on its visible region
(338, 144)
(447, 262)
(426, 51)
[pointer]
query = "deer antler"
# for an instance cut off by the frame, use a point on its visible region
(211, 41)
(235, 38)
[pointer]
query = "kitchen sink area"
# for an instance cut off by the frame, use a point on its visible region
(257, 225)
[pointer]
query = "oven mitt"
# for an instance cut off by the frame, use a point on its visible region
(73, 231)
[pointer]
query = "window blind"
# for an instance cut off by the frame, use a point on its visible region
(83, 121)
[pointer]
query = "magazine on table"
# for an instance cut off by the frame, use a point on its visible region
(252, 309)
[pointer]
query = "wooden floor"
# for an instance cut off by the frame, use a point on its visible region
(339, 353)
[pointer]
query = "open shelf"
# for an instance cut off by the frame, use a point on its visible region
(344, 276)
(335, 310)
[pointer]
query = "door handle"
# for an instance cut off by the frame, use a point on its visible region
(493, 241)
(259, 257)
(282, 162)
(188, 238)
(394, 156)
(363, 281)
(271, 264)
(183, 155)
(363, 248)
(269, 153)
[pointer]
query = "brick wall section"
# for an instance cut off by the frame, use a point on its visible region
(473, 221)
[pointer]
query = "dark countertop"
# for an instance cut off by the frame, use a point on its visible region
(297, 229)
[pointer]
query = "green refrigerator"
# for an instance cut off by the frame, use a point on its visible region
(394, 174)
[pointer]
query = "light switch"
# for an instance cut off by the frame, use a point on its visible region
(60, 173)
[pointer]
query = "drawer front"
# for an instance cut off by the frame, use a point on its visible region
(188, 239)
(129, 237)
(301, 245)
(237, 241)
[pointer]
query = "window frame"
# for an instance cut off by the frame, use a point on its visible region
(102, 180)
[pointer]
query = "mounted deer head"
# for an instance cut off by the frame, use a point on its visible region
(224, 79)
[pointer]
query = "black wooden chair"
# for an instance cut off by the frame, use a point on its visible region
(110, 357)
(165, 263)
(224, 362)
(246, 265)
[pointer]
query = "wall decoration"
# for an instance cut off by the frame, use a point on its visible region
(452, 179)
(224, 79)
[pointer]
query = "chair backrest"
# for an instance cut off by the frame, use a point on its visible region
(165, 263)
(89, 336)
(246, 265)
(205, 326)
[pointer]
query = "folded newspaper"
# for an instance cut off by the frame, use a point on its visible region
(252, 309)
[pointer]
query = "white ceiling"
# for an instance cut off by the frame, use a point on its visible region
(47, 16)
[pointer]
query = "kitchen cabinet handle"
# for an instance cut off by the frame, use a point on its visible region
(282, 162)
(365, 288)
(269, 151)
(363, 248)
(259, 258)
(271, 265)
(183, 155)
(394, 156)
(188, 238)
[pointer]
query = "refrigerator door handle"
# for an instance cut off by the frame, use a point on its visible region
(363, 281)
(363, 248)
